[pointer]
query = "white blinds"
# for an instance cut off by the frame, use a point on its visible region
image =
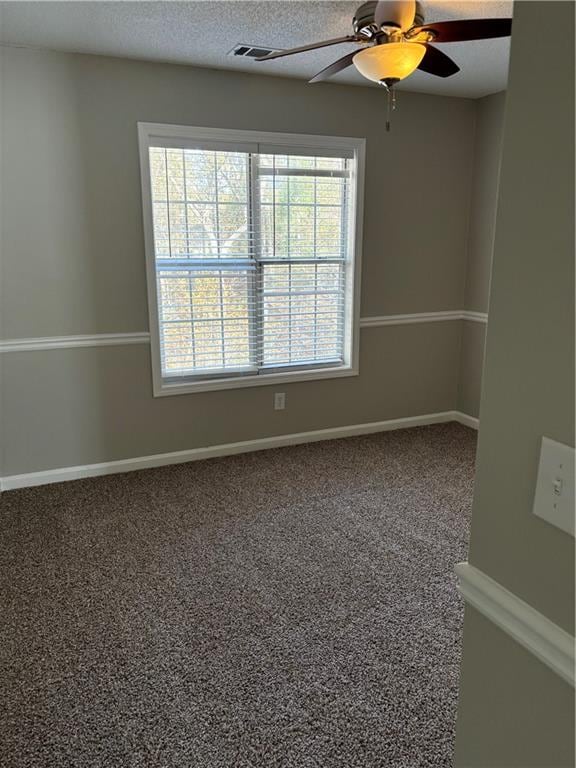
(252, 257)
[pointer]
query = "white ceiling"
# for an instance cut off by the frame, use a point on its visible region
(202, 33)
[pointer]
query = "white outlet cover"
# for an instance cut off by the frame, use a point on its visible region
(554, 497)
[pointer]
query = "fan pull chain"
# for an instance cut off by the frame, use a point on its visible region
(390, 107)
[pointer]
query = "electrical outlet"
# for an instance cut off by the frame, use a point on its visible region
(279, 401)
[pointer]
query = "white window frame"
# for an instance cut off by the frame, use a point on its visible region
(148, 134)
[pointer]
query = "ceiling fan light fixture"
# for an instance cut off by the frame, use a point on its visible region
(389, 61)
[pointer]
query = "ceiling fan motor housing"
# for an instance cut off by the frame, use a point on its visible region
(363, 21)
(391, 13)
(370, 17)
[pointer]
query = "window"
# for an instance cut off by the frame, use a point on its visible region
(252, 247)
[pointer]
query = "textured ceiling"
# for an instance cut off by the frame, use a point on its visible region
(202, 34)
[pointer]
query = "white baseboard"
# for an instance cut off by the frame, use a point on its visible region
(544, 639)
(29, 479)
(468, 421)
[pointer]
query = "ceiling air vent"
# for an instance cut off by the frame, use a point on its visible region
(250, 51)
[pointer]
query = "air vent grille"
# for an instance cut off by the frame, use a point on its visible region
(251, 51)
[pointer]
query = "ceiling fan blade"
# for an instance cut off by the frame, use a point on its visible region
(435, 62)
(311, 47)
(465, 29)
(332, 69)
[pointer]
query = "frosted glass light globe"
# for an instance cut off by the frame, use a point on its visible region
(389, 60)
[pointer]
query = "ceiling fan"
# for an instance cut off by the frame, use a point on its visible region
(396, 42)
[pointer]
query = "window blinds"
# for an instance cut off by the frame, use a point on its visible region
(252, 254)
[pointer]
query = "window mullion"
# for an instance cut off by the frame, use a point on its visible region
(219, 256)
(289, 254)
(315, 225)
(254, 212)
(344, 243)
(190, 278)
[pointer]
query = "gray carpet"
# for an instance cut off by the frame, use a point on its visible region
(291, 608)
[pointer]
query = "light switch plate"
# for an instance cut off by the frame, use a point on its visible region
(554, 497)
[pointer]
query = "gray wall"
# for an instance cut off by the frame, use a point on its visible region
(73, 255)
(514, 711)
(473, 341)
(484, 199)
(528, 391)
(485, 176)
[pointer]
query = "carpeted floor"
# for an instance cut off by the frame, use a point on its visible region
(292, 608)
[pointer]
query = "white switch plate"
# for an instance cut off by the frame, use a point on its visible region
(554, 497)
(279, 401)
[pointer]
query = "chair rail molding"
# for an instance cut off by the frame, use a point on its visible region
(477, 317)
(551, 644)
(418, 317)
(69, 342)
(117, 339)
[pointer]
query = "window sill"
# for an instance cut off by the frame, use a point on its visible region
(165, 389)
